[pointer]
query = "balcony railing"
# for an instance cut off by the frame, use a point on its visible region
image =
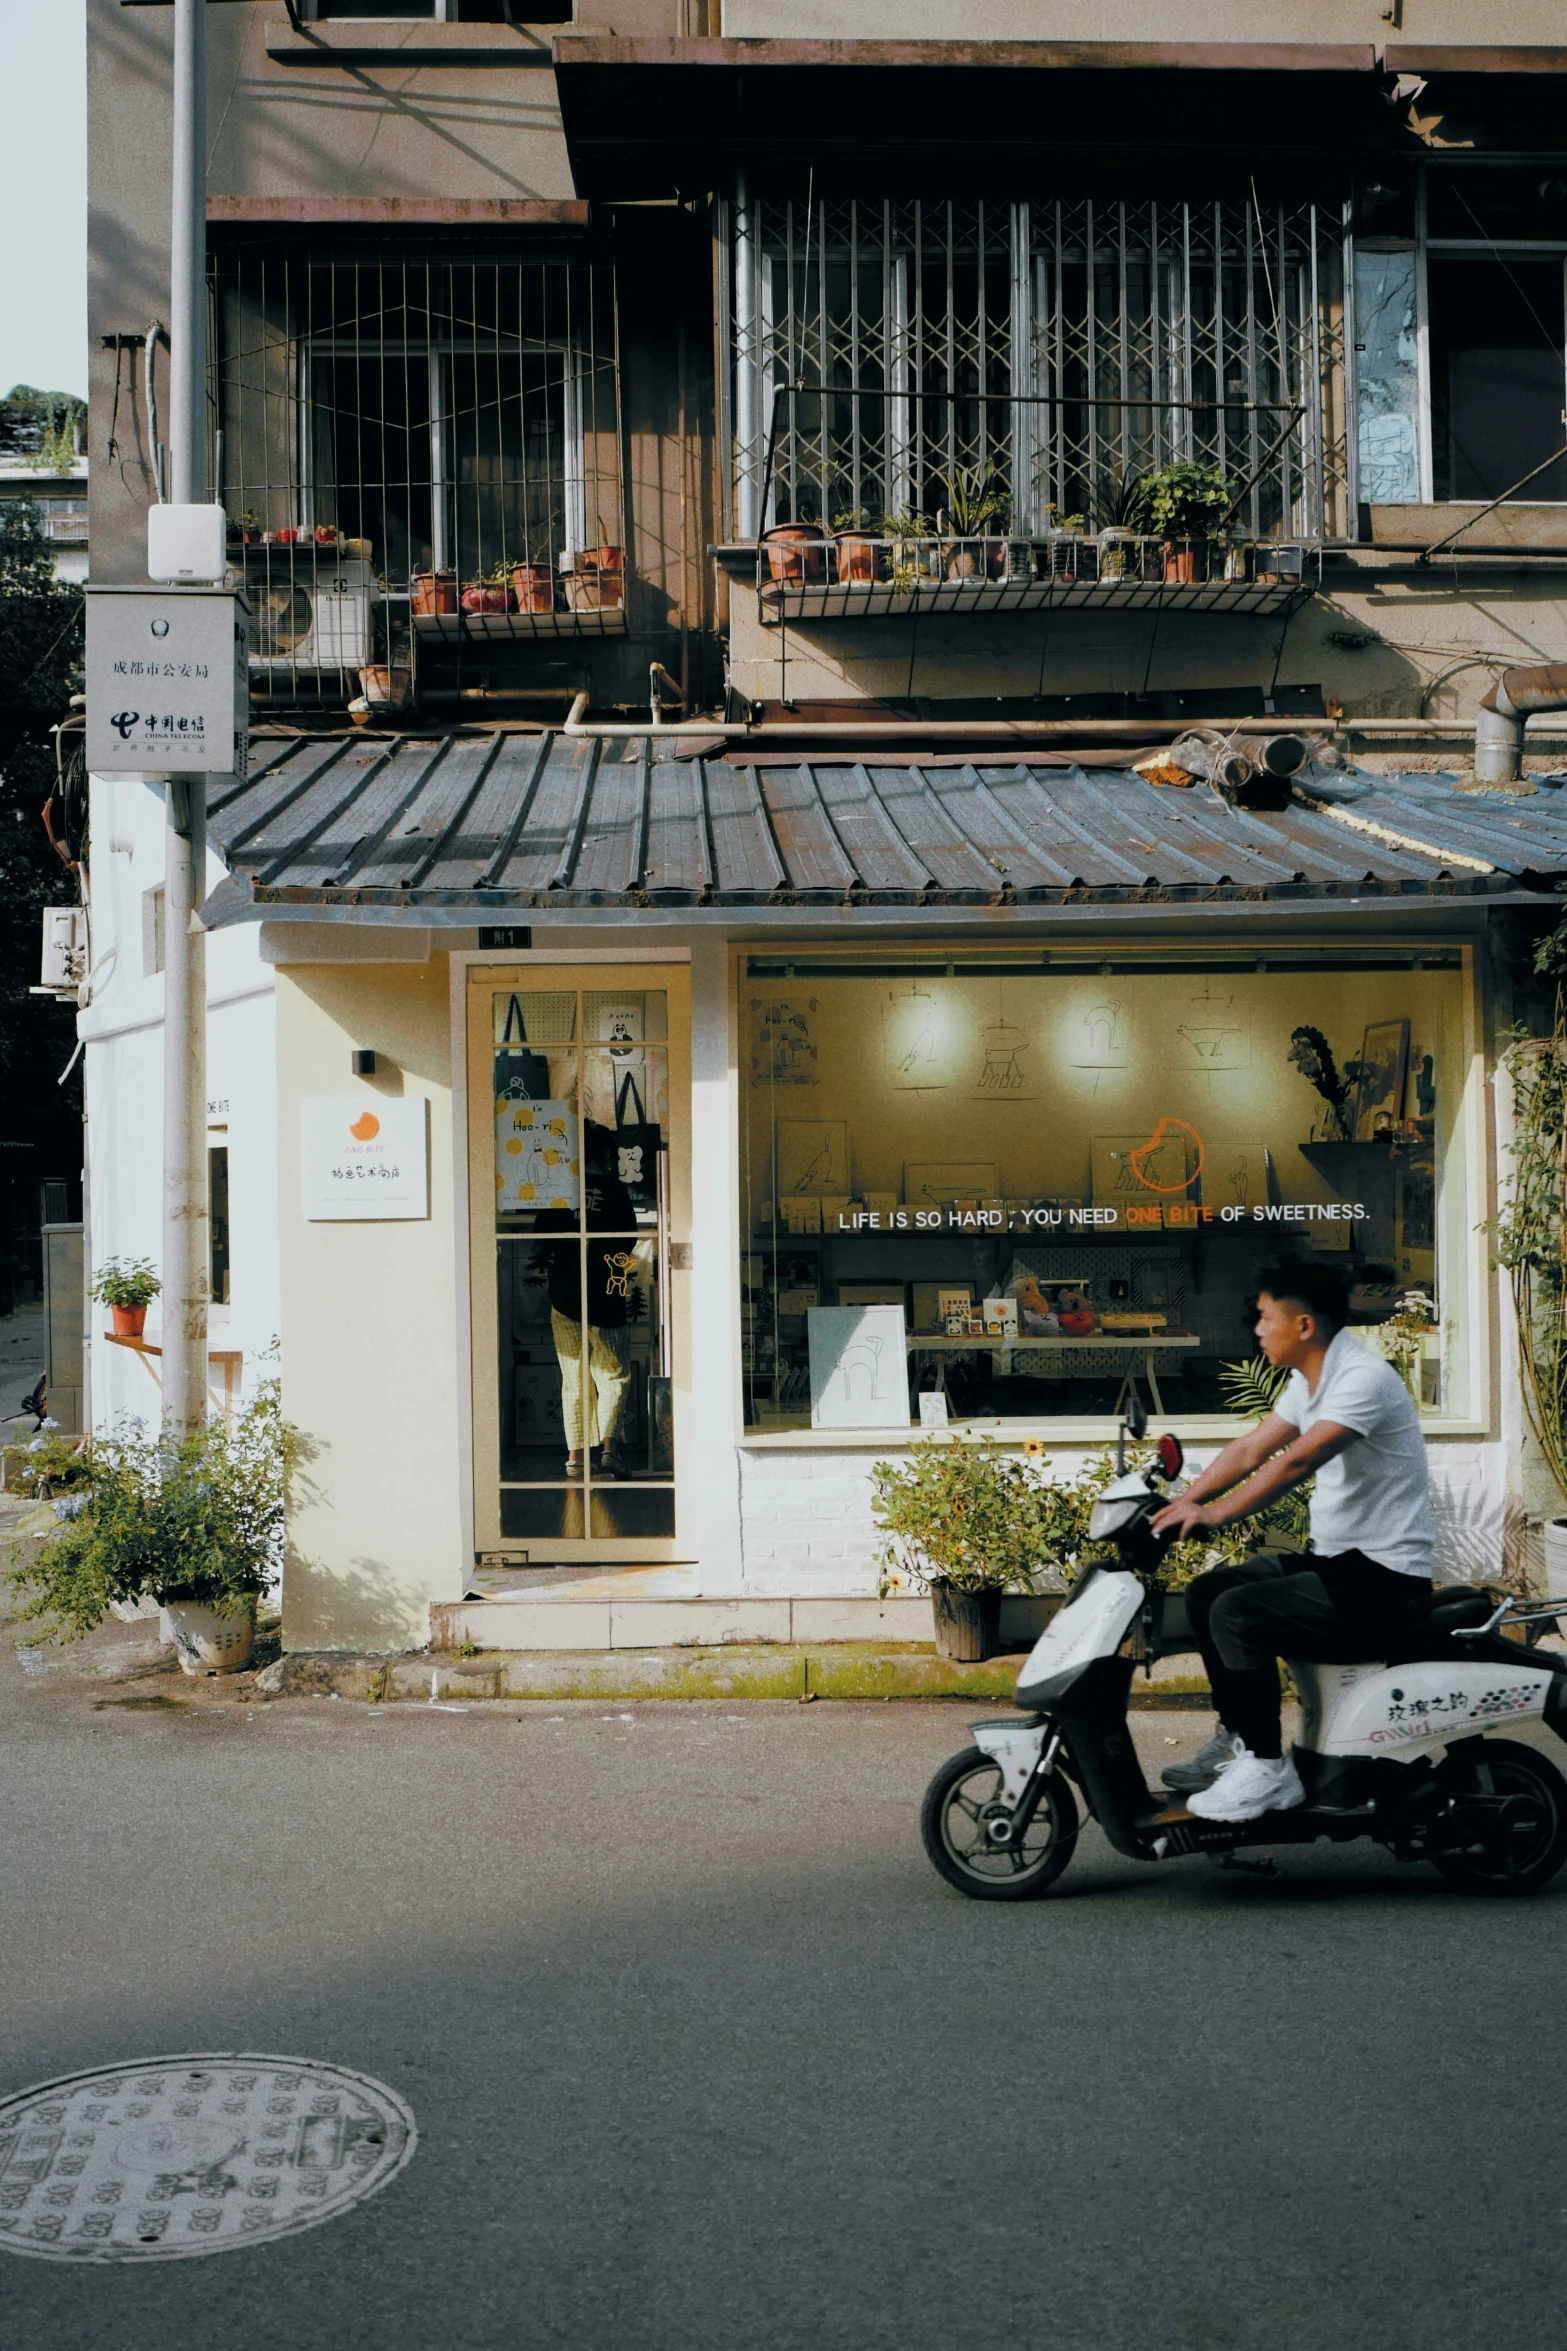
(802, 575)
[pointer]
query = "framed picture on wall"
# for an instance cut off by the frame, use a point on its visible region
(1384, 1072)
(813, 1156)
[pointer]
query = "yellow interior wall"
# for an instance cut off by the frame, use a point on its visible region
(370, 1371)
(1040, 1136)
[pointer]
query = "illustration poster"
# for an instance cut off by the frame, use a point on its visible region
(784, 1041)
(1209, 1027)
(859, 1367)
(535, 1156)
(916, 1040)
(813, 1156)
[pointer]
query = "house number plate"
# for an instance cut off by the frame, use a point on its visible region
(190, 2155)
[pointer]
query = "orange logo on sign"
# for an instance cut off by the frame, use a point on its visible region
(1165, 1132)
(366, 1127)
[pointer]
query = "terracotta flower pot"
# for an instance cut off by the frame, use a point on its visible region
(129, 1321)
(1186, 561)
(533, 586)
(481, 596)
(860, 557)
(603, 569)
(388, 687)
(796, 551)
(435, 591)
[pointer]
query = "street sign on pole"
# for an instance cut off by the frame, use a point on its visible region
(168, 681)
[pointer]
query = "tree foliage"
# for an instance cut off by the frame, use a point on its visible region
(40, 666)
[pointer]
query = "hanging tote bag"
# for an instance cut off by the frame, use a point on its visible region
(520, 1075)
(636, 1145)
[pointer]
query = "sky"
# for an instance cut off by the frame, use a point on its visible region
(43, 195)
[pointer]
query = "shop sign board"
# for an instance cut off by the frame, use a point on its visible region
(168, 682)
(365, 1159)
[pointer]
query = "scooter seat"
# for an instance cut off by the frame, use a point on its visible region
(1448, 1612)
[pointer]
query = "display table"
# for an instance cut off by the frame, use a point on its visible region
(1144, 1344)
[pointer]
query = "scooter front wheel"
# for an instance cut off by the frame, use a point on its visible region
(961, 1804)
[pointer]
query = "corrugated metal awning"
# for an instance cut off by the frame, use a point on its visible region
(530, 823)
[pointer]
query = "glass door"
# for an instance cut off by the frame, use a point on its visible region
(578, 1080)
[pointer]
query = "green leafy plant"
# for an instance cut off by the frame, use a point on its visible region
(978, 500)
(1253, 1387)
(46, 1465)
(126, 1281)
(962, 1512)
(199, 1520)
(1179, 501)
(1529, 1231)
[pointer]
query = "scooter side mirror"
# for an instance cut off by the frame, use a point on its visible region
(1136, 1420)
(1171, 1455)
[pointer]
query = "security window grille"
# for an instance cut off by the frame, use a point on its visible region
(1065, 345)
(402, 435)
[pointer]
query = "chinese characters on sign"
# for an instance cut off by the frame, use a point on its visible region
(365, 1159)
(168, 683)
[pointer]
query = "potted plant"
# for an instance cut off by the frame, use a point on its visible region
(796, 550)
(127, 1286)
(915, 550)
(386, 686)
(859, 551)
(195, 1525)
(489, 591)
(434, 591)
(979, 507)
(966, 1522)
(1182, 505)
(533, 587)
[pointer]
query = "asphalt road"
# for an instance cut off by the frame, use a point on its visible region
(703, 2054)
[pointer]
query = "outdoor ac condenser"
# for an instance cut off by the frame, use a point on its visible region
(311, 614)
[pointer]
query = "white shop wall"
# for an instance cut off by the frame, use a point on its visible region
(123, 1055)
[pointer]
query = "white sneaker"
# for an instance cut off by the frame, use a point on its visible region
(1212, 1757)
(1248, 1786)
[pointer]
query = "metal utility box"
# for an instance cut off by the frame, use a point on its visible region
(168, 681)
(65, 1314)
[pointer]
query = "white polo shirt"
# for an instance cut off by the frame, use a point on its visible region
(1375, 1497)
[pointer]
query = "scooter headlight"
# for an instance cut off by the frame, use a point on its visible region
(1111, 1518)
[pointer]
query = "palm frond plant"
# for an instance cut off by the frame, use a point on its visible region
(1529, 1231)
(1252, 1387)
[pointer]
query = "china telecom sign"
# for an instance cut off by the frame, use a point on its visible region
(168, 682)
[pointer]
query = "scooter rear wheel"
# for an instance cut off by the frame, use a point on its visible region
(962, 1796)
(1502, 1767)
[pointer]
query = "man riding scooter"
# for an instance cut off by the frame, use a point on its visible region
(1345, 1418)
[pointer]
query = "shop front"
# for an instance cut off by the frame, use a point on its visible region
(738, 1190)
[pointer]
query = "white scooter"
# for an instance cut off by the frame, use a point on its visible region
(1397, 1749)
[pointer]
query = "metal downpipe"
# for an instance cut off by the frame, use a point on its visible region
(1499, 722)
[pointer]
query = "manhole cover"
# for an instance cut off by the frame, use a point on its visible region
(190, 2155)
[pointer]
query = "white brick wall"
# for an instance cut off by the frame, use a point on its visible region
(806, 1529)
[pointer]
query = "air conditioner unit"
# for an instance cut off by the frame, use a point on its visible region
(311, 615)
(64, 964)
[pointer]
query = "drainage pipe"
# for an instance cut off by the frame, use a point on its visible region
(1499, 722)
(916, 730)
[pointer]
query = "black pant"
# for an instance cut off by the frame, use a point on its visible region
(1341, 1611)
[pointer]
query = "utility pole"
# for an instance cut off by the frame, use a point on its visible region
(185, 1254)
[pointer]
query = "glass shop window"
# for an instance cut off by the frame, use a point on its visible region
(1498, 377)
(581, 1214)
(980, 1190)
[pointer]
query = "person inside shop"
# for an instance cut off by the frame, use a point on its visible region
(1346, 1419)
(610, 1277)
